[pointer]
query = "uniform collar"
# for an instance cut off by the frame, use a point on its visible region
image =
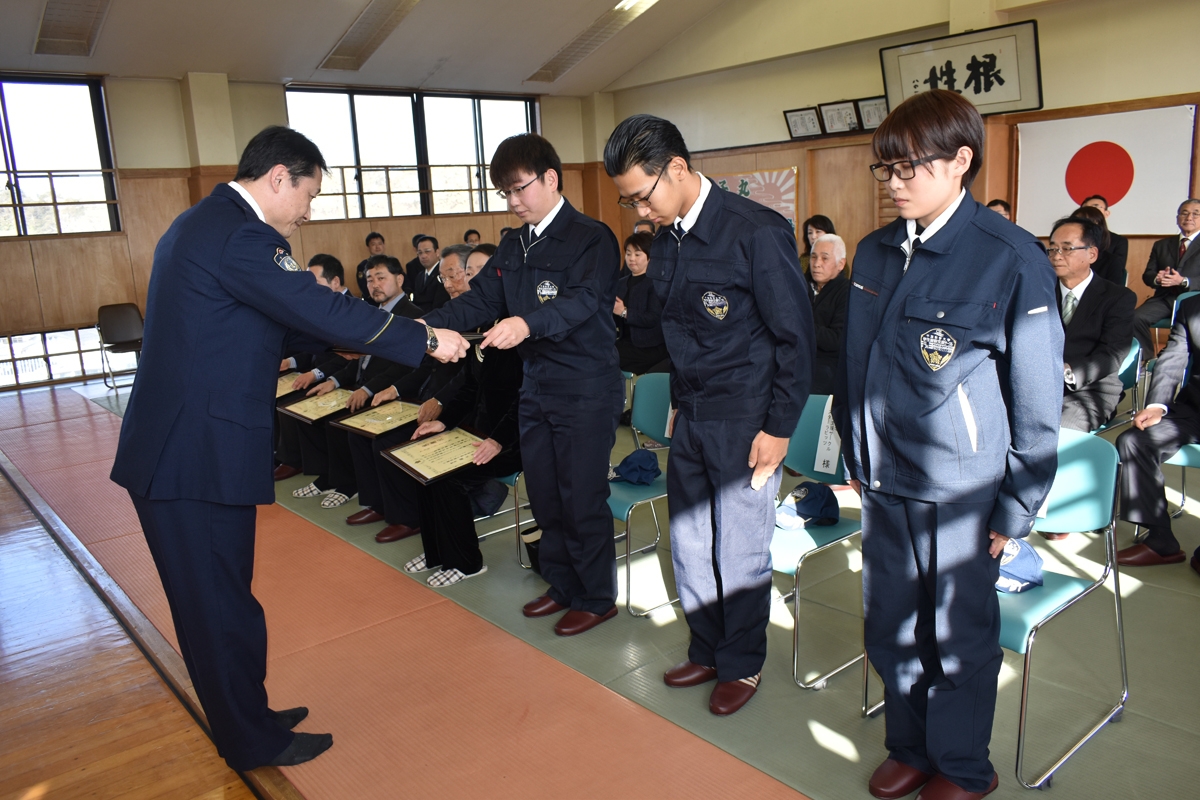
(699, 219)
(249, 198)
(947, 224)
(689, 219)
(540, 228)
(935, 226)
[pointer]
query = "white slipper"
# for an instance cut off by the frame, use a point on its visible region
(310, 491)
(418, 564)
(334, 499)
(449, 577)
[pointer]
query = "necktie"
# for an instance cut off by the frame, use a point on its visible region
(1069, 303)
(1183, 246)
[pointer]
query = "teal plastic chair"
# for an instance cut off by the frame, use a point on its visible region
(628, 378)
(651, 409)
(1131, 380)
(791, 548)
(511, 482)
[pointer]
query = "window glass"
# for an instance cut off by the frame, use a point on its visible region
(385, 130)
(324, 117)
(450, 130)
(62, 139)
(500, 120)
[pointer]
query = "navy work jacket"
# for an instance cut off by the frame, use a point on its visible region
(736, 315)
(950, 384)
(564, 288)
(226, 300)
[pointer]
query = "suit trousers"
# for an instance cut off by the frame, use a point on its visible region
(367, 461)
(205, 557)
(932, 631)
(1143, 497)
(287, 441)
(1148, 313)
(326, 454)
(1087, 410)
(721, 533)
(566, 443)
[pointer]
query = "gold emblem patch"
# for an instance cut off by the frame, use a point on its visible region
(937, 348)
(285, 260)
(546, 291)
(715, 304)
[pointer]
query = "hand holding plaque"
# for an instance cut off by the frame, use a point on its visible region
(430, 458)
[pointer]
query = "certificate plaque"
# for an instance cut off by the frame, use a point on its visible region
(430, 458)
(284, 386)
(376, 421)
(311, 409)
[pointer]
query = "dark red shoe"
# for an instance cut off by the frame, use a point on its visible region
(894, 779)
(942, 788)
(575, 622)
(1140, 555)
(394, 533)
(729, 696)
(689, 674)
(541, 607)
(283, 472)
(364, 517)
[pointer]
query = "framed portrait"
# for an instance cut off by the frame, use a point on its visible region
(803, 122)
(871, 111)
(998, 69)
(839, 117)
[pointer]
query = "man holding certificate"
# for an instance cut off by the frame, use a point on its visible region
(552, 283)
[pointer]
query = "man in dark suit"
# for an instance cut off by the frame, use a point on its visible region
(196, 456)
(425, 284)
(829, 289)
(1097, 318)
(1168, 422)
(1173, 269)
(375, 245)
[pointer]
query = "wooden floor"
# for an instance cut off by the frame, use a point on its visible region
(82, 712)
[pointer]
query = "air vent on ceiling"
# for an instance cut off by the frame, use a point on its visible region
(373, 26)
(586, 43)
(70, 27)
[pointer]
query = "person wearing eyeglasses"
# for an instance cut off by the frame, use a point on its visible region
(1173, 268)
(551, 285)
(1097, 319)
(948, 403)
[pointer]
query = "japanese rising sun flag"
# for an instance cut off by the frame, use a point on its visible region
(1139, 160)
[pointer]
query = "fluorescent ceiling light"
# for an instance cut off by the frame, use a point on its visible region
(70, 27)
(586, 43)
(373, 26)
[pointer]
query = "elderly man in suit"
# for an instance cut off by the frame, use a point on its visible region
(1173, 269)
(1097, 318)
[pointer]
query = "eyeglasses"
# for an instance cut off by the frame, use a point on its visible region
(1189, 214)
(1062, 251)
(507, 193)
(904, 170)
(633, 202)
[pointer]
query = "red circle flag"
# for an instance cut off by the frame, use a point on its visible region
(1102, 168)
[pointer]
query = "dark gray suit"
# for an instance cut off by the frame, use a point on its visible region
(1164, 254)
(1094, 345)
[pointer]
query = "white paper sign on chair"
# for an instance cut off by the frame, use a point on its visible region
(829, 445)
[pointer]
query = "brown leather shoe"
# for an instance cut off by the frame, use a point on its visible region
(394, 533)
(689, 674)
(1140, 555)
(729, 696)
(283, 472)
(1053, 537)
(575, 622)
(364, 517)
(541, 607)
(893, 779)
(1195, 564)
(942, 788)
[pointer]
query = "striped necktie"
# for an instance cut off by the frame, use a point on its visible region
(1068, 311)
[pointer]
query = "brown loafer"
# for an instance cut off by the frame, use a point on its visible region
(894, 779)
(1140, 555)
(577, 622)
(942, 788)
(364, 517)
(394, 533)
(283, 472)
(689, 674)
(542, 606)
(729, 696)
(1053, 537)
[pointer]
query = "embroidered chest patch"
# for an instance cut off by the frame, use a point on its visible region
(937, 348)
(715, 304)
(546, 291)
(285, 261)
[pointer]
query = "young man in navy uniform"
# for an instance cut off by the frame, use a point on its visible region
(739, 328)
(196, 460)
(948, 402)
(552, 283)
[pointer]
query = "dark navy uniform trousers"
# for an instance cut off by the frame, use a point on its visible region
(933, 631)
(721, 533)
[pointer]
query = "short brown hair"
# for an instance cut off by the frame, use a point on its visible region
(932, 123)
(525, 152)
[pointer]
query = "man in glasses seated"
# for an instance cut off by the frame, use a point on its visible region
(1174, 268)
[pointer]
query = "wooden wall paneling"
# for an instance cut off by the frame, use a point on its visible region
(20, 310)
(78, 274)
(201, 180)
(885, 209)
(148, 207)
(572, 184)
(840, 186)
(600, 197)
(995, 176)
(1135, 265)
(343, 239)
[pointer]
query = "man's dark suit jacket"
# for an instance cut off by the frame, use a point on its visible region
(425, 288)
(1172, 366)
(1111, 263)
(1094, 345)
(1165, 253)
(379, 373)
(829, 321)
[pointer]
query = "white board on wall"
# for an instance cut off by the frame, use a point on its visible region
(1139, 160)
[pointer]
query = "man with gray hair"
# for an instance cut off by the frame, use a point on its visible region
(829, 287)
(453, 268)
(1174, 268)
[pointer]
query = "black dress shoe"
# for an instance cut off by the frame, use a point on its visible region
(290, 717)
(305, 747)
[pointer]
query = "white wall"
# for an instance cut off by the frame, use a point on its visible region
(146, 123)
(255, 106)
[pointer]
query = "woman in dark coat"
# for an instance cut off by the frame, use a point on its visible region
(638, 313)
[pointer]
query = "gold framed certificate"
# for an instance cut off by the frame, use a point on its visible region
(376, 421)
(432, 457)
(311, 409)
(284, 386)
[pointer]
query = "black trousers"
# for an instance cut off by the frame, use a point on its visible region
(287, 441)
(1148, 313)
(640, 360)
(1143, 497)
(566, 441)
(325, 452)
(1087, 409)
(932, 631)
(205, 557)
(367, 462)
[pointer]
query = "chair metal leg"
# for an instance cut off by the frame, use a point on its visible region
(867, 709)
(1182, 492)
(818, 682)
(629, 553)
(108, 371)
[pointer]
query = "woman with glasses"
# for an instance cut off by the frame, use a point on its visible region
(948, 407)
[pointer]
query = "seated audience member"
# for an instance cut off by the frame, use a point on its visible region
(644, 226)
(375, 244)
(1118, 243)
(1173, 268)
(454, 271)
(426, 286)
(1002, 208)
(412, 267)
(1097, 320)
(1168, 422)
(1114, 251)
(479, 256)
(638, 310)
(813, 227)
(471, 237)
(829, 287)
(504, 232)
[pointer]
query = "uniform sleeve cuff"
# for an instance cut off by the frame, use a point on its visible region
(779, 427)
(1014, 527)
